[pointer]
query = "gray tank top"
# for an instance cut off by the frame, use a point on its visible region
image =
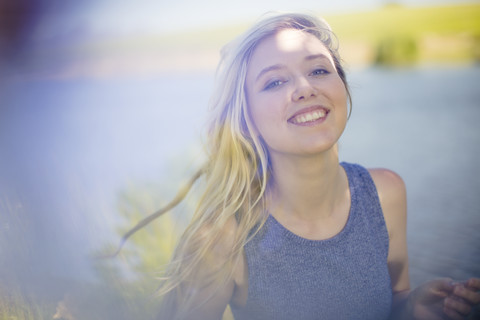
(344, 277)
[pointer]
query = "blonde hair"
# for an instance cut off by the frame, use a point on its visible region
(236, 172)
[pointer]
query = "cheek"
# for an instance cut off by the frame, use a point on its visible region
(255, 113)
(339, 93)
(265, 114)
(255, 110)
(259, 118)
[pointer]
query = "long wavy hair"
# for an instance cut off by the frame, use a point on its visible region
(236, 173)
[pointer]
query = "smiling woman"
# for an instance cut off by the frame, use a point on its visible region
(281, 95)
(283, 230)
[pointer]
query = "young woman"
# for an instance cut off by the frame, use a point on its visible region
(283, 230)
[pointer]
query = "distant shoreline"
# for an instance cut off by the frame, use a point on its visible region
(394, 35)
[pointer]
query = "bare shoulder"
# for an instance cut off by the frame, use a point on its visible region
(223, 248)
(387, 181)
(392, 194)
(223, 237)
(390, 187)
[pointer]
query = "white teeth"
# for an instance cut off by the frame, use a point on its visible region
(312, 116)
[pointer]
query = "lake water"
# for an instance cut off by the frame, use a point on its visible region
(69, 147)
(422, 123)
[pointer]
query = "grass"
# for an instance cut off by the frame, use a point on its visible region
(400, 20)
(17, 305)
(438, 34)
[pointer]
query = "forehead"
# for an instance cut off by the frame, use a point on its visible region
(287, 43)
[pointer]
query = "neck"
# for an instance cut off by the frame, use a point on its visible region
(309, 188)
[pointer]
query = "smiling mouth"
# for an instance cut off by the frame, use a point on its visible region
(309, 116)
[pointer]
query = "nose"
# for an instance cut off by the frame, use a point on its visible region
(303, 90)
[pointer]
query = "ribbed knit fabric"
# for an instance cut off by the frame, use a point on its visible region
(344, 277)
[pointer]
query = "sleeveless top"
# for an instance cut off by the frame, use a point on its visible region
(343, 277)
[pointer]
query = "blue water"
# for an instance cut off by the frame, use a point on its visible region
(69, 147)
(422, 123)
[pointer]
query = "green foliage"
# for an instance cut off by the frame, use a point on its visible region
(455, 28)
(151, 247)
(17, 302)
(397, 34)
(372, 29)
(375, 25)
(396, 51)
(130, 279)
(124, 287)
(18, 305)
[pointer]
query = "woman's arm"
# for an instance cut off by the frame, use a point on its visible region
(392, 193)
(208, 301)
(212, 309)
(435, 299)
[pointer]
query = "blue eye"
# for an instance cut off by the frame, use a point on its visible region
(319, 72)
(273, 84)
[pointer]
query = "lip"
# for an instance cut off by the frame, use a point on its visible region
(306, 111)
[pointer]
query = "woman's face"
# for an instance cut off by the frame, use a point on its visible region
(296, 99)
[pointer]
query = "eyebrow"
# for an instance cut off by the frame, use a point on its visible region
(281, 66)
(268, 69)
(316, 56)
